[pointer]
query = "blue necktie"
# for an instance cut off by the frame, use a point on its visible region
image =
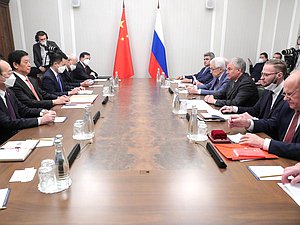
(59, 82)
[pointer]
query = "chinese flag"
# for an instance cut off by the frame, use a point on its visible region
(123, 62)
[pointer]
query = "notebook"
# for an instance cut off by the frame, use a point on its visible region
(17, 150)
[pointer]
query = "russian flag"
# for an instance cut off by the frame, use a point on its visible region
(158, 58)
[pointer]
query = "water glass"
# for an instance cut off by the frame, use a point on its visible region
(48, 162)
(78, 130)
(47, 179)
(105, 91)
(183, 107)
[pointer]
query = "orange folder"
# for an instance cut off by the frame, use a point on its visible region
(227, 150)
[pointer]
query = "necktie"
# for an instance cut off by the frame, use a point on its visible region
(268, 105)
(32, 88)
(10, 108)
(59, 82)
(216, 84)
(292, 129)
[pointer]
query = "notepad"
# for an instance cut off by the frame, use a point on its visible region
(85, 92)
(266, 172)
(4, 195)
(17, 150)
(249, 152)
(293, 190)
(83, 98)
(75, 106)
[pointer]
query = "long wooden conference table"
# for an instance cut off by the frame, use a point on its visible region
(141, 169)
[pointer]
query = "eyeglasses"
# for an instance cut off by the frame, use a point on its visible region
(268, 74)
(213, 69)
(290, 95)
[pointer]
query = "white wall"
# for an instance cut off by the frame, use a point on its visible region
(234, 28)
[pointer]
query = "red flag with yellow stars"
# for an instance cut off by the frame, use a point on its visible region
(123, 62)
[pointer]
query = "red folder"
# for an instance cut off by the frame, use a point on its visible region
(229, 151)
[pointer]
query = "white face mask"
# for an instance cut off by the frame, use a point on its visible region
(61, 69)
(86, 62)
(72, 67)
(9, 82)
(260, 60)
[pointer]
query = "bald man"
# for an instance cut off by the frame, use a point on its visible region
(284, 127)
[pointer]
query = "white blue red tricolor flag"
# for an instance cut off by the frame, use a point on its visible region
(158, 58)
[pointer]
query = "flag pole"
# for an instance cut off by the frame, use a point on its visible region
(123, 4)
(157, 4)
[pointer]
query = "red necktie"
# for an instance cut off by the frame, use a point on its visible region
(32, 88)
(292, 129)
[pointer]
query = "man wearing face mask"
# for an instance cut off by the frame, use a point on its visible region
(83, 71)
(15, 116)
(255, 71)
(41, 51)
(52, 79)
(26, 88)
(67, 74)
(271, 101)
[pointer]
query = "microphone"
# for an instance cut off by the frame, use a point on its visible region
(187, 116)
(171, 91)
(215, 155)
(96, 117)
(105, 100)
(73, 154)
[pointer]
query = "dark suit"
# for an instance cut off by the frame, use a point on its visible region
(25, 117)
(256, 70)
(25, 95)
(51, 85)
(277, 126)
(68, 80)
(242, 92)
(204, 76)
(81, 73)
(215, 85)
(38, 60)
(262, 108)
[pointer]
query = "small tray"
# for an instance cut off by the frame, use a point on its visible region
(227, 140)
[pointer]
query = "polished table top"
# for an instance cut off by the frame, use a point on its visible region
(141, 169)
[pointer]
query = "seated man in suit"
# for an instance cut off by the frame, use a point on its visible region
(204, 76)
(284, 127)
(218, 83)
(255, 71)
(67, 74)
(241, 90)
(83, 71)
(52, 80)
(293, 171)
(41, 51)
(271, 101)
(14, 115)
(26, 88)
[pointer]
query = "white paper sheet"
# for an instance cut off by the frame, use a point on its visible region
(60, 119)
(293, 190)
(25, 175)
(45, 142)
